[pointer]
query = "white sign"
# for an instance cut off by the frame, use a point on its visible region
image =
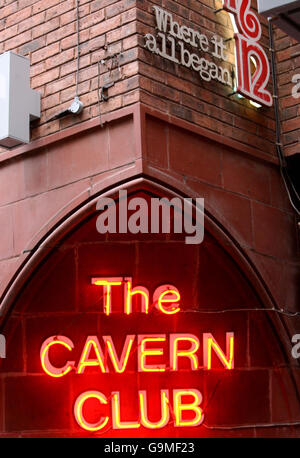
(170, 43)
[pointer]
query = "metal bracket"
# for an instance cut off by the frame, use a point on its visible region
(104, 90)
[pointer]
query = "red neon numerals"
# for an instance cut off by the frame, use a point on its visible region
(249, 53)
(252, 85)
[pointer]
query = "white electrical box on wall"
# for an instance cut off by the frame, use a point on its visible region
(18, 103)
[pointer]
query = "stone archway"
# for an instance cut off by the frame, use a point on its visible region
(219, 295)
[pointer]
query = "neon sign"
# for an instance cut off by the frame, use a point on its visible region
(248, 49)
(151, 354)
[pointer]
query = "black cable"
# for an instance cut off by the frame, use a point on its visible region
(77, 46)
(290, 188)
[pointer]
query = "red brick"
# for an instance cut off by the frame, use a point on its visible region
(44, 53)
(67, 162)
(8, 32)
(19, 16)
(60, 9)
(122, 32)
(121, 133)
(50, 101)
(71, 40)
(7, 269)
(119, 7)
(249, 389)
(68, 94)
(7, 233)
(45, 398)
(44, 78)
(60, 58)
(11, 182)
(14, 361)
(130, 97)
(92, 19)
(2, 411)
(156, 138)
(50, 291)
(130, 42)
(18, 40)
(68, 17)
(8, 10)
(232, 211)
(43, 208)
(43, 29)
(60, 84)
(41, 5)
(274, 232)
(284, 395)
(265, 347)
(95, 44)
(31, 22)
(291, 287)
(130, 15)
(32, 46)
(62, 33)
(37, 69)
(246, 176)
(194, 156)
(104, 27)
(46, 129)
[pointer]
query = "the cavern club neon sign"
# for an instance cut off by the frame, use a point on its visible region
(181, 406)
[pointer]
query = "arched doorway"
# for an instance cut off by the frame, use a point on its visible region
(161, 376)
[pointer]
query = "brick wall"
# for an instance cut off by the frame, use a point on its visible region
(46, 33)
(186, 134)
(288, 67)
(180, 92)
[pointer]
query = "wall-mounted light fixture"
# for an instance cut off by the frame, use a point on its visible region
(18, 103)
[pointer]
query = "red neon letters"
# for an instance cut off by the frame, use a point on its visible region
(147, 353)
(166, 297)
(183, 401)
(250, 85)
